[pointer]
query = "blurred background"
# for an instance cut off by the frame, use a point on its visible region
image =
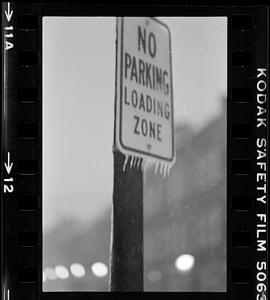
(185, 213)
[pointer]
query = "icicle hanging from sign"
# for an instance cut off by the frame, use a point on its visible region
(141, 162)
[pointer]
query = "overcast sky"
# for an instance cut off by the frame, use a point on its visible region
(78, 103)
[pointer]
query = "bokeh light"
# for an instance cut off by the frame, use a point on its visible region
(184, 262)
(99, 269)
(50, 274)
(154, 276)
(77, 270)
(62, 272)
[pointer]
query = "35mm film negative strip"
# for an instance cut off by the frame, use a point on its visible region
(134, 151)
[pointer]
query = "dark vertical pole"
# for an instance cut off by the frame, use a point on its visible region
(127, 232)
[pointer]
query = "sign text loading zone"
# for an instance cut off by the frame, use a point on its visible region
(146, 103)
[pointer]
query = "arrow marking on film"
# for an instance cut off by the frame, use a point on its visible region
(9, 12)
(8, 165)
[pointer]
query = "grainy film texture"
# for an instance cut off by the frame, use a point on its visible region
(185, 212)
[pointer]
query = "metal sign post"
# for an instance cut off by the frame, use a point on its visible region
(127, 242)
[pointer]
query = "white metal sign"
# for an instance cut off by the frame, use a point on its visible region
(144, 93)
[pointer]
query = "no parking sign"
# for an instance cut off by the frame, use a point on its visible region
(144, 92)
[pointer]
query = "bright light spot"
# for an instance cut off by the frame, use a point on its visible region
(44, 277)
(184, 262)
(77, 270)
(50, 274)
(154, 276)
(99, 269)
(61, 272)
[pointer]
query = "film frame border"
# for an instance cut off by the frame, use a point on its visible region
(22, 138)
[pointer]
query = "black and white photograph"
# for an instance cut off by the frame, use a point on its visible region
(134, 151)
(150, 94)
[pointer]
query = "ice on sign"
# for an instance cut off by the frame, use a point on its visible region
(144, 93)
